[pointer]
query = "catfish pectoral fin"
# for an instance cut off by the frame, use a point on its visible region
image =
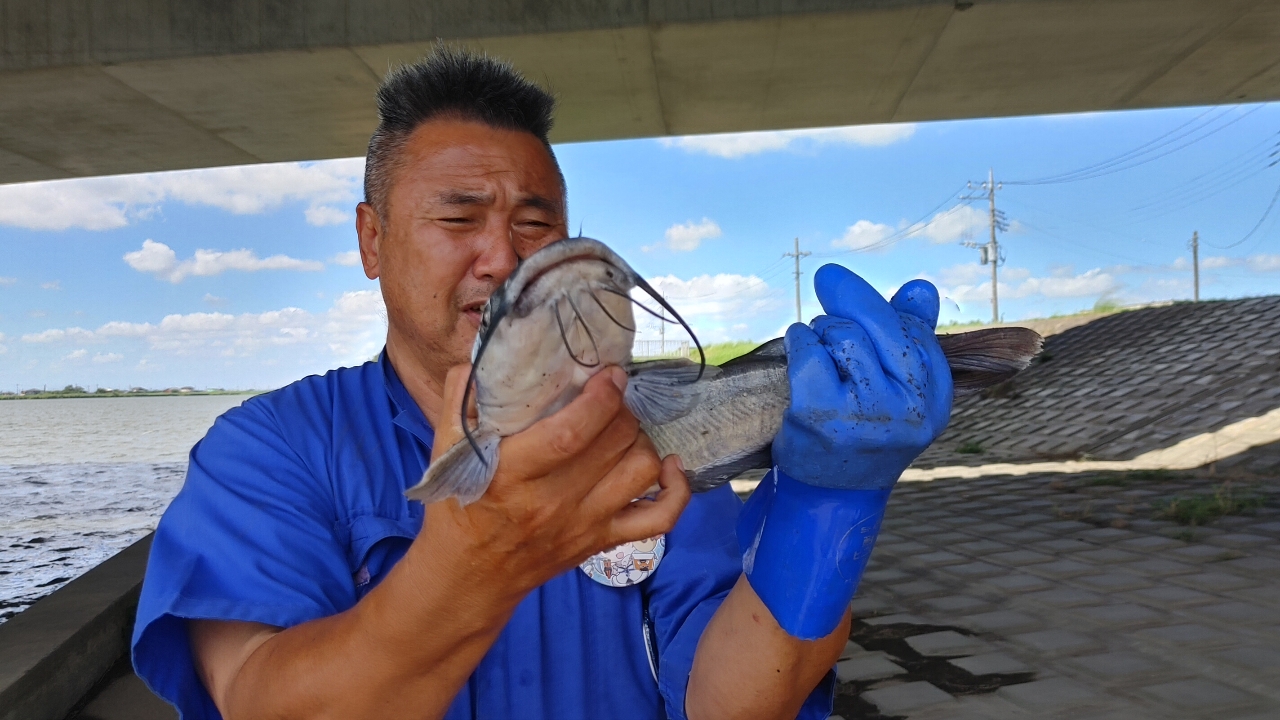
(659, 391)
(460, 472)
(982, 358)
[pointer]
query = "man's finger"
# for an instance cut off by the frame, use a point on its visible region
(918, 298)
(810, 368)
(633, 476)
(851, 349)
(449, 430)
(553, 440)
(845, 294)
(644, 519)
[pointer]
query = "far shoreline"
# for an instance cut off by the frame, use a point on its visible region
(157, 393)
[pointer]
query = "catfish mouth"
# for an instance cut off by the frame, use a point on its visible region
(613, 272)
(532, 293)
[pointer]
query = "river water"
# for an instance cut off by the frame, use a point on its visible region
(81, 479)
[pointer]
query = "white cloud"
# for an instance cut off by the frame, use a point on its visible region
(736, 145)
(215, 300)
(1262, 263)
(714, 305)
(76, 354)
(104, 203)
(321, 215)
(686, 237)
(350, 258)
(57, 335)
(101, 358)
(958, 223)
(52, 285)
(160, 260)
(1091, 283)
(964, 284)
(863, 235)
(351, 329)
(6, 281)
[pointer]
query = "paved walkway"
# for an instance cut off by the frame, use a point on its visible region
(1055, 596)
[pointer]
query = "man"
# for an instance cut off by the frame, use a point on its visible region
(291, 578)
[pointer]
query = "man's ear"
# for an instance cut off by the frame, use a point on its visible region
(369, 231)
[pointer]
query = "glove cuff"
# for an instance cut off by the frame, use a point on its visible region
(804, 549)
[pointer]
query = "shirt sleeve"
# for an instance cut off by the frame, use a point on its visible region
(251, 536)
(702, 563)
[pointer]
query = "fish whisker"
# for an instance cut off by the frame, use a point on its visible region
(640, 305)
(466, 396)
(585, 328)
(702, 356)
(565, 338)
(608, 314)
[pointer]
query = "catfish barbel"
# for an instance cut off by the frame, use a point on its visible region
(565, 313)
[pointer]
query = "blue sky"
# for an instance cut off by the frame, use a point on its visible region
(245, 277)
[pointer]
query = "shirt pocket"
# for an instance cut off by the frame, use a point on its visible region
(374, 545)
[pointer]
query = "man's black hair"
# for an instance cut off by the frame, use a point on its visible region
(453, 83)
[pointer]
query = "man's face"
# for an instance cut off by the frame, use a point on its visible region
(466, 203)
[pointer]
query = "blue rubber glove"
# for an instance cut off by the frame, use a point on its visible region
(870, 390)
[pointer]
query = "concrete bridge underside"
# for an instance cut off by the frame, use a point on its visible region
(91, 87)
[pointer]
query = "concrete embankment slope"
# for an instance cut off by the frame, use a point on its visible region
(1201, 377)
(73, 645)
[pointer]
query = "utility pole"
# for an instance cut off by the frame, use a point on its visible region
(1195, 262)
(991, 250)
(797, 255)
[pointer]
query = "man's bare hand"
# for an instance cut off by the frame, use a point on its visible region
(564, 489)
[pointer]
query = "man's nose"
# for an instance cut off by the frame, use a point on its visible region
(497, 258)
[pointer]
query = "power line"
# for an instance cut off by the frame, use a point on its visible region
(1211, 182)
(1142, 154)
(901, 234)
(1266, 213)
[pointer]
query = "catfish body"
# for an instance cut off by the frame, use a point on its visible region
(739, 411)
(566, 313)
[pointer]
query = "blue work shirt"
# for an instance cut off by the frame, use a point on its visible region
(294, 508)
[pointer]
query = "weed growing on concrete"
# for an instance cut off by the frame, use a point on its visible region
(970, 447)
(1203, 508)
(1082, 511)
(1149, 475)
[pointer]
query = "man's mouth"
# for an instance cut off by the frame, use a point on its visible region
(473, 311)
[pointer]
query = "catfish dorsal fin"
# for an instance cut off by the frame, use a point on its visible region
(982, 358)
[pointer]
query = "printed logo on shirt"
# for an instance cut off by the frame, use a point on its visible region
(628, 564)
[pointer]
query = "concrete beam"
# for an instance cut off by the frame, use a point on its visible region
(138, 85)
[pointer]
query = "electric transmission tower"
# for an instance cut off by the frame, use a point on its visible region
(990, 250)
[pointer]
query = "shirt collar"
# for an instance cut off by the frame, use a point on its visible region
(408, 415)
